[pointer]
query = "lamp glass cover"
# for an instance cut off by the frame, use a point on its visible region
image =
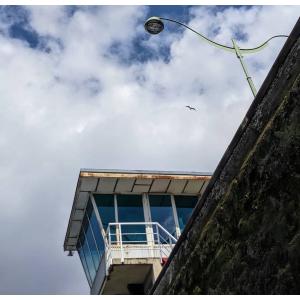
(154, 26)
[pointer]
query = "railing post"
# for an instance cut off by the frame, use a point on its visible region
(107, 259)
(121, 244)
(161, 243)
(158, 241)
(109, 235)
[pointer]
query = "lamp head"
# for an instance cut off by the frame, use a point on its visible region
(154, 25)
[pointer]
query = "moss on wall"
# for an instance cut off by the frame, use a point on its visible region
(250, 243)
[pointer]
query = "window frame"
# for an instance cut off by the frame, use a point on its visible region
(146, 209)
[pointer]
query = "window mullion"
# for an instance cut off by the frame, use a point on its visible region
(178, 232)
(116, 208)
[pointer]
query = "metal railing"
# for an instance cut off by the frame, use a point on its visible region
(138, 240)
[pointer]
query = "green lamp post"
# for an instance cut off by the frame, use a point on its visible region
(155, 25)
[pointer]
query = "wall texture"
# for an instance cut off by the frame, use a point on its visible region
(244, 235)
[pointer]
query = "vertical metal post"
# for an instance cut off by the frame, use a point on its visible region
(158, 241)
(121, 244)
(116, 218)
(248, 77)
(175, 216)
(108, 255)
(109, 236)
(147, 217)
(116, 208)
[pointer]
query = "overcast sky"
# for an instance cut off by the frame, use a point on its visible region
(87, 87)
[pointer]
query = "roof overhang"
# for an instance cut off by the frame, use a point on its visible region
(128, 182)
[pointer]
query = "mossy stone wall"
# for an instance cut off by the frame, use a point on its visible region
(246, 237)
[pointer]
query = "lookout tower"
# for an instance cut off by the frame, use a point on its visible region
(124, 224)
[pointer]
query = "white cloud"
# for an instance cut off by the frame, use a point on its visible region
(80, 106)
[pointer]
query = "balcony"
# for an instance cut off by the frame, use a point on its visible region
(134, 255)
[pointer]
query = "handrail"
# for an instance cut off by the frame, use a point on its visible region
(133, 223)
(139, 223)
(169, 234)
(157, 238)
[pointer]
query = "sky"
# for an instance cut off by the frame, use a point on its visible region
(87, 87)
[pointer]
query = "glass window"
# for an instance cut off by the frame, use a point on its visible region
(162, 212)
(91, 242)
(87, 254)
(95, 228)
(184, 208)
(83, 262)
(130, 209)
(106, 208)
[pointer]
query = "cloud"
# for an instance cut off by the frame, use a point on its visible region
(98, 92)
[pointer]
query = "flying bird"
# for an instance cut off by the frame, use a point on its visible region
(190, 107)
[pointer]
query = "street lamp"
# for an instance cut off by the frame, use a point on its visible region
(155, 25)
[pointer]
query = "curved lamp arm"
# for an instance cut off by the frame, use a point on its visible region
(224, 47)
(231, 49)
(154, 25)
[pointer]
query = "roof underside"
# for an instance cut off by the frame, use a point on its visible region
(128, 182)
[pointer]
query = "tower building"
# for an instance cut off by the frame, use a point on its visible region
(124, 224)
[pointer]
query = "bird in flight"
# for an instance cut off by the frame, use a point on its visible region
(190, 107)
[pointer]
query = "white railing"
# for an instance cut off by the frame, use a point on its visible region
(137, 240)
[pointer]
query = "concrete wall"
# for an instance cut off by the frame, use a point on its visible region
(244, 235)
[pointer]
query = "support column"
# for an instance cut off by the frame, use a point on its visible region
(178, 232)
(147, 216)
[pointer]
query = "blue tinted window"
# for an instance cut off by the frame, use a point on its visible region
(162, 212)
(184, 207)
(95, 228)
(105, 204)
(88, 255)
(91, 242)
(83, 262)
(130, 209)
(106, 208)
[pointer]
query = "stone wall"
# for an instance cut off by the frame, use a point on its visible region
(244, 235)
